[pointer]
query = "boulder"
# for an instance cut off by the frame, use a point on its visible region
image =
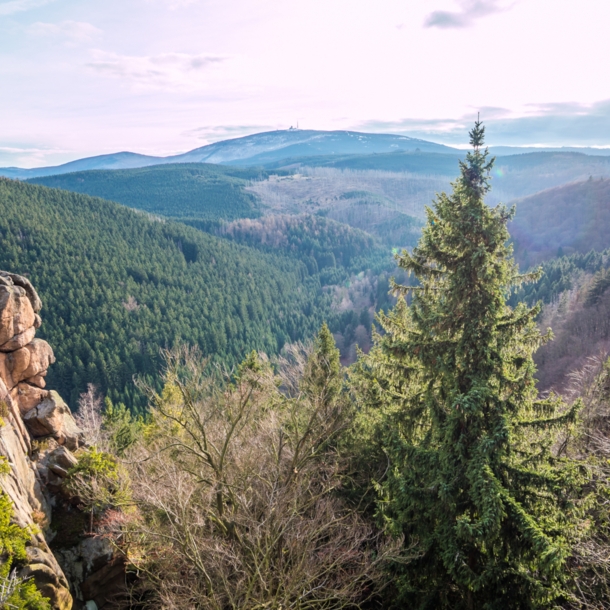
(73, 436)
(23, 282)
(107, 586)
(96, 552)
(60, 461)
(52, 417)
(16, 312)
(49, 584)
(19, 341)
(29, 361)
(18, 362)
(37, 380)
(28, 396)
(43, 555)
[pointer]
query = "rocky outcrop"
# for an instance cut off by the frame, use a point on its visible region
(52, 418)
(39, 438)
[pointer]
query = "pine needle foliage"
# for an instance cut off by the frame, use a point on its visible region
(475, 482)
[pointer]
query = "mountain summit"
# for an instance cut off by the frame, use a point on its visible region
(283, 144)
(256, 149)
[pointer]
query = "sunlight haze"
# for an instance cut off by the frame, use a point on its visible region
(165, 76)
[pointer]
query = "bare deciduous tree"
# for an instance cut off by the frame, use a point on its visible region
(88, 417)
(237, 487)
(590, 561)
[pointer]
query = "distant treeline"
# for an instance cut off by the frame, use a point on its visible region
(193, 190)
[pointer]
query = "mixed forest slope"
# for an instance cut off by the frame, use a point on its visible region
(206, 195)
(570, 218)
(382, 194)
(574, 291)
(120, 286)
(514, 176)
(317, 241)
(339, 223)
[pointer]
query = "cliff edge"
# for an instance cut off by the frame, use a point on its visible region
(38, 440)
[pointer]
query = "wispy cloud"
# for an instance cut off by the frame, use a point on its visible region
(562, 124)
(16, 6)
(471, 10)
(216, 133)
(21, 149)
(73, 32)
(159, 71)
(28, 155)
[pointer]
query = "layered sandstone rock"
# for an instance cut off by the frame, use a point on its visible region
(31, 413)
(17, 312)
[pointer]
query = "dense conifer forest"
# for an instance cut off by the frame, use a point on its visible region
(189, 190)
(118, 285)
(560, 274)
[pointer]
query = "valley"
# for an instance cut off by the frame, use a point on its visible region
(183, 284)
(304, 305)
(341, 216)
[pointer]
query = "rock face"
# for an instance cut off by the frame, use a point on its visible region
(16, 310)
(52, 418)
(38, 439)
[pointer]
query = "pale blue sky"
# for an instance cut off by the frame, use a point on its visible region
(85, 77)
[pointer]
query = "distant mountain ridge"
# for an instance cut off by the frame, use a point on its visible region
(277, 148)
(256, 149)
(592, 151)
(122, 160)
(271, 147)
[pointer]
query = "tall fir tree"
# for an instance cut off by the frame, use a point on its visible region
(323, 377)
(475, 482)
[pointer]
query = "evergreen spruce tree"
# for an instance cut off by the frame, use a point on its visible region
(322, 377)
(599, 285)
(475, 481)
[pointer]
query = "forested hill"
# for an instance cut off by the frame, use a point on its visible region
(185, 191)
(117, 286)
(563, 220)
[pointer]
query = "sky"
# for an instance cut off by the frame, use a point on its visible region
(87, 77)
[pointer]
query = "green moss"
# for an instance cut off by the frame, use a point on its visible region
(13, 540)
(12, 537)
(3, 412)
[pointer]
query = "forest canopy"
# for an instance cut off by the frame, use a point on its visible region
(118, 286)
